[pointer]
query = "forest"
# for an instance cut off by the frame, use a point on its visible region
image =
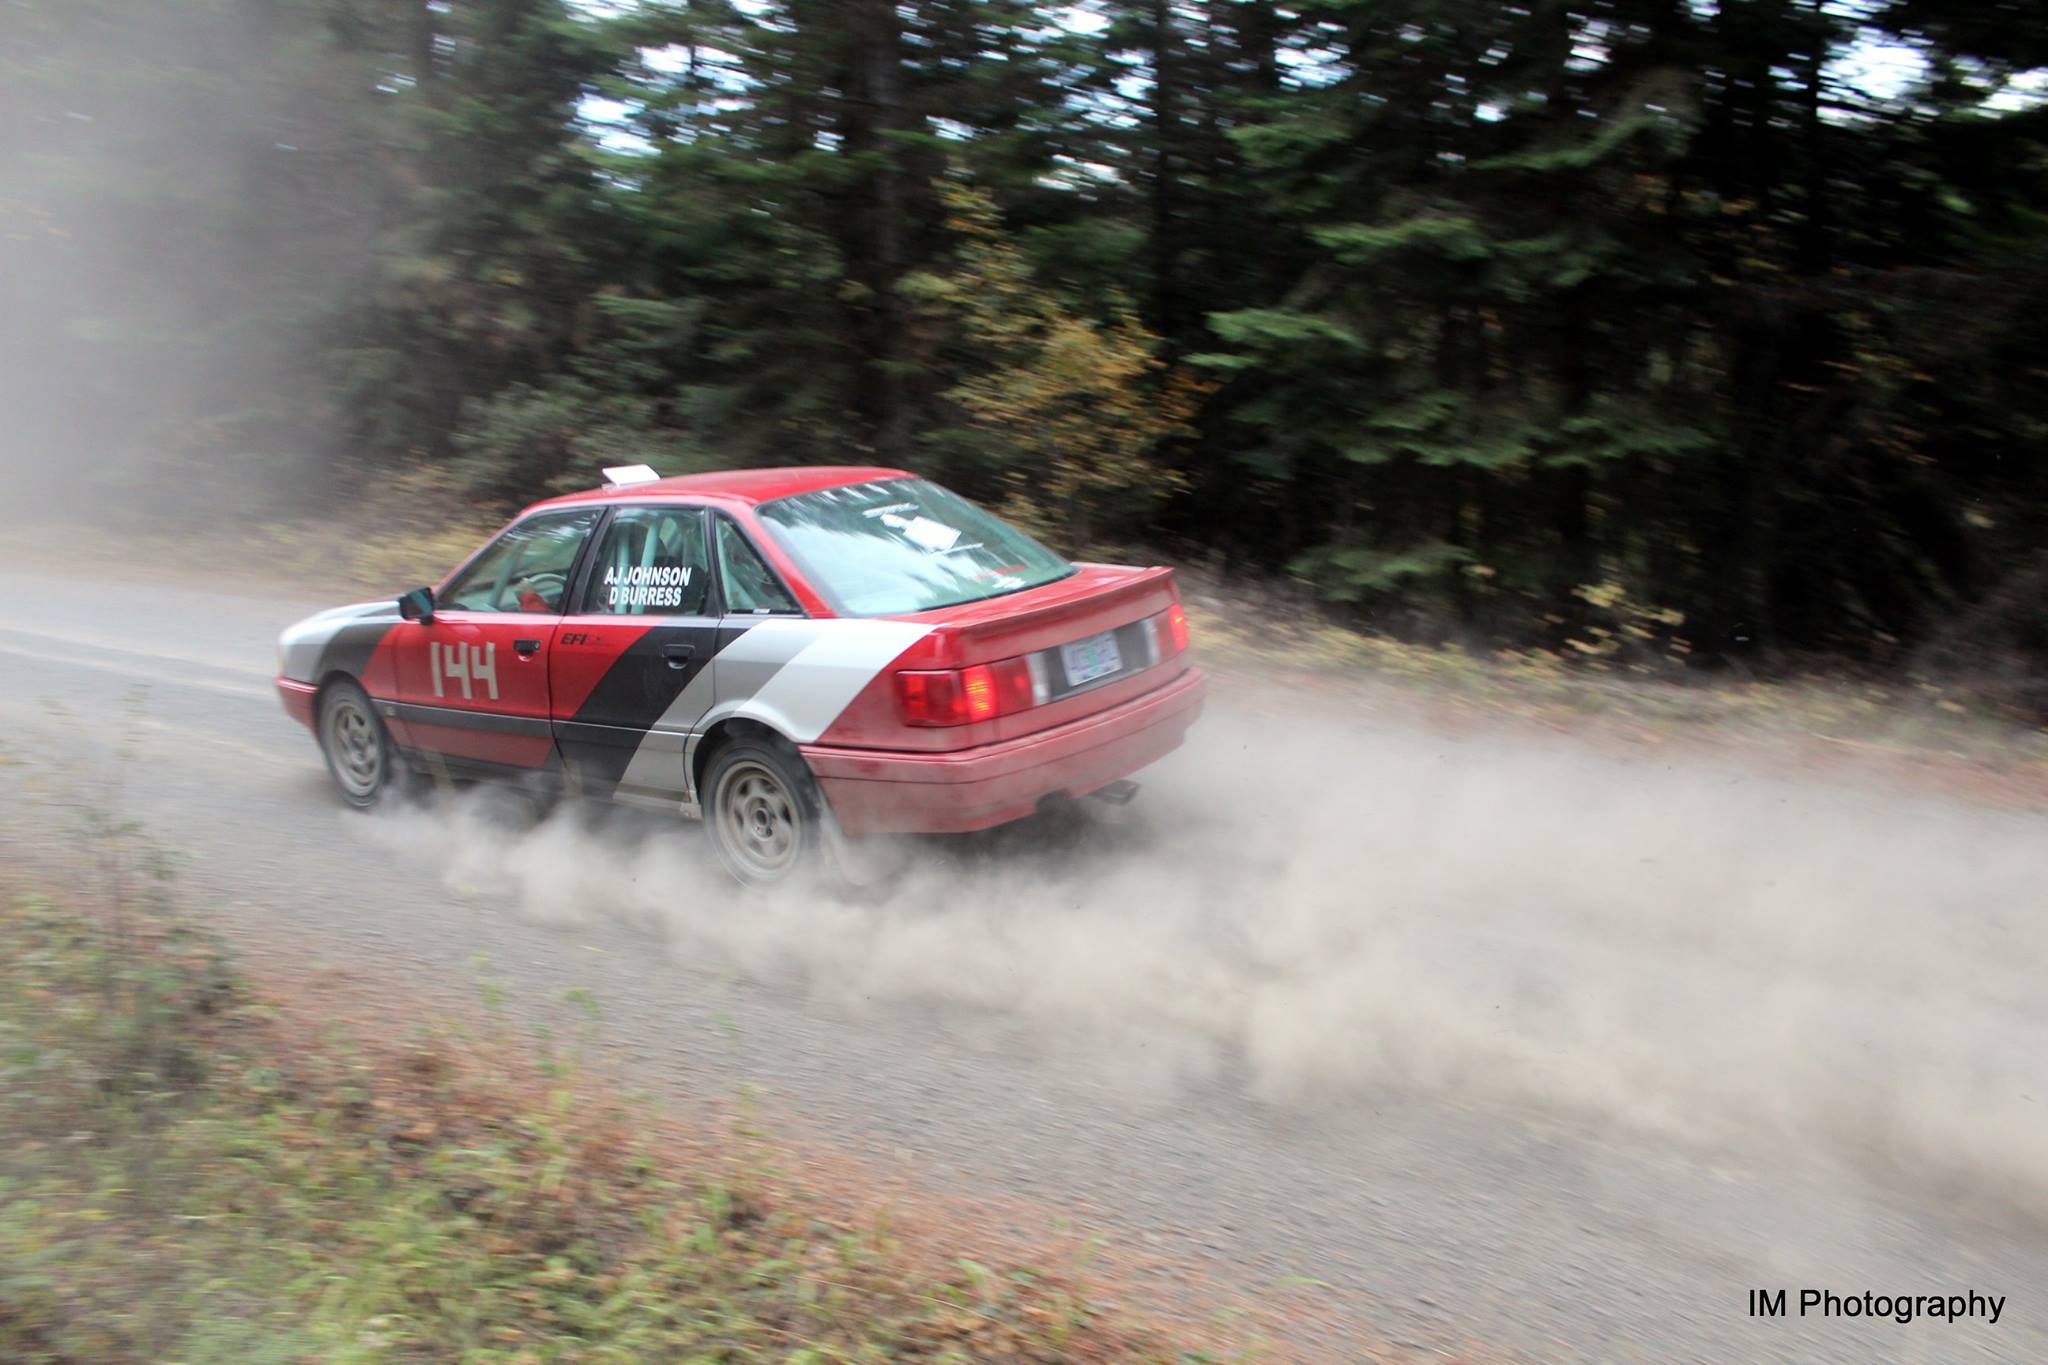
(1720, 326)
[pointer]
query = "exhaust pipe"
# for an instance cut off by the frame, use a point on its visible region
(1118, 793)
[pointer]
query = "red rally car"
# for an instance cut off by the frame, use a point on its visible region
(793, 654)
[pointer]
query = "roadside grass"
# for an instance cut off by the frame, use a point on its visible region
(401, 532)
(1260, 635)
(190, 1173)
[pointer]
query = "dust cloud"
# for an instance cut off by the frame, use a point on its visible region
(186, 195)
(1318, 912)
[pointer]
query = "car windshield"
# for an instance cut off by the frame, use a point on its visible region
(897, 546)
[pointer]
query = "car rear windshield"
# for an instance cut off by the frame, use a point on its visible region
(904, 545)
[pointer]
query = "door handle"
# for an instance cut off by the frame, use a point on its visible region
(678, 655)
(526, 648)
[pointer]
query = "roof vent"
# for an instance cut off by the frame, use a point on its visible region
(626, 475)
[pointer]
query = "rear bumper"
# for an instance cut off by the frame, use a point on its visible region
(298, 700)
(880, 792)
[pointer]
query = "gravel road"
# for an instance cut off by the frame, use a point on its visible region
(1498, 1041)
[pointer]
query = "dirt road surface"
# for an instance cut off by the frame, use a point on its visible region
(1497, 1041)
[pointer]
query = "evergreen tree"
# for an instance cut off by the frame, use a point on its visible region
(1561, 323)
(502, 239)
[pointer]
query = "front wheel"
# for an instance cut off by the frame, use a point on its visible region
(360, 755)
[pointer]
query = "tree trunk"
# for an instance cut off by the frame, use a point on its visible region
(1166, 132)
(423, 44)
(874, 233)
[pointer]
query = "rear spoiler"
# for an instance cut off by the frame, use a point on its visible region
(1096, 598)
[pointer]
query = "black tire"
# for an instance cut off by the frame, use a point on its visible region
(762, 811)
(360, 755)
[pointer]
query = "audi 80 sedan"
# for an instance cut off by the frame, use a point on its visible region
(798, 657)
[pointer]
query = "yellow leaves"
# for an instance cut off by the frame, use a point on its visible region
(1075, 407)
(1601, 595)
(1631, 626)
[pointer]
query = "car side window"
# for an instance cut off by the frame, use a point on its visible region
(651, 562)
(751, 587)
(525, 569)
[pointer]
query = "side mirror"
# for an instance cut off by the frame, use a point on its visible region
(417, 605)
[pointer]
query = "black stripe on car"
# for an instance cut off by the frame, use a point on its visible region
(619, 716)
(491, 722)
(348, 650)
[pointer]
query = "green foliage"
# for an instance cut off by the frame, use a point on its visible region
(1278, 329)
(1353, 573)
(1454, 237)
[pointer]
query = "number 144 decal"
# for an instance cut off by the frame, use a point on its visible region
(468, 666)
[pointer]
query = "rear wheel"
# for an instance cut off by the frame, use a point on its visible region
(763, 815)
(360, 755)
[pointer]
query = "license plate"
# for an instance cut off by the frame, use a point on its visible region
(1092, 658)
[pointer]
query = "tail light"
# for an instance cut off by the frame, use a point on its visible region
(979, 687)
(931, 697)
(978, 692)
(961, 696)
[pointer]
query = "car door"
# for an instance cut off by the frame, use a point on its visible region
(631, 670)
(473, 683)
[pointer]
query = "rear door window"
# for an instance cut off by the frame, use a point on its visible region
(651, 561)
